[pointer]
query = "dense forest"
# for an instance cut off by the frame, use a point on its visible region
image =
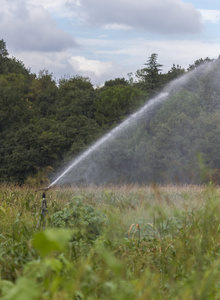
(45, 123)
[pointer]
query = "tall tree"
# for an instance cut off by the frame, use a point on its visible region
(175, 72)
(3, 50)
(3, 56)
(150, 76)
(198, 63)
(11, 65)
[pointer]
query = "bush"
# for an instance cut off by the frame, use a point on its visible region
(86, 222)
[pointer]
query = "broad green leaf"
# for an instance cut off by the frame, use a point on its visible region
(24, 289)
(52, 240)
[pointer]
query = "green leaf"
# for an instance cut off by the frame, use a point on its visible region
(24, 289)
(52, 240)
(54, 264)
(5, 286)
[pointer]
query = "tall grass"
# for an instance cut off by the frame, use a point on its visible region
(156, 243)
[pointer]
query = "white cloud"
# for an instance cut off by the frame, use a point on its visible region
(55, 62)
(32, 35)
(210, 15)
(116, 26)
(26, 26)
(164, 16)
(80, 63)
(130, 57)
(133, 53)
(64, 63)
(136, 52)
(55, 7)
(47, 4)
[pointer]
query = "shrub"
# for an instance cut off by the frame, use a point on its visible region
(86, 222)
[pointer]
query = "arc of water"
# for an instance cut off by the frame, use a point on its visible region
(160, 98)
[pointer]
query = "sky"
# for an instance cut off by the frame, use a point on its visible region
(107, 39)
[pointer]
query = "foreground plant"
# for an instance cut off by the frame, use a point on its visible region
(173, 253)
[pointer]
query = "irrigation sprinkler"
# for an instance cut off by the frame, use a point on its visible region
(42, 219)
(43, 189)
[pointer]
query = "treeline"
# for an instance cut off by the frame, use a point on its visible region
(44, 123)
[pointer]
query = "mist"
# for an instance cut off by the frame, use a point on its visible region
(161, 141)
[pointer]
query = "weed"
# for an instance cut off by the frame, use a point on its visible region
(124, 242)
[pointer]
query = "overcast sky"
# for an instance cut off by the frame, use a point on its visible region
(106, 39)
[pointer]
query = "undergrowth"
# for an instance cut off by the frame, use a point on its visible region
(111, 243)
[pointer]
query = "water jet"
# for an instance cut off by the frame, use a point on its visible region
(151, 144)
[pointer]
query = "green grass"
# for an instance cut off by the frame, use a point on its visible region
(126, 242)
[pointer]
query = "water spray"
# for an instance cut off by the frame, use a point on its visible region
(112, 134)
(102, 144)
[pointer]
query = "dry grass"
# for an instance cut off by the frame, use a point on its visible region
(123, 204)
(131, 204)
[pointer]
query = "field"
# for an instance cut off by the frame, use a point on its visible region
(127, 242)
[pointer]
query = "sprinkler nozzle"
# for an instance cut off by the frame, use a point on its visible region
(43, 189)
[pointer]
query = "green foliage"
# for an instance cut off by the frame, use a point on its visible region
(10, 65)
(14, 107)
(150, 76)
(116, 81)
(116, 102)
(199, 62)
(51, 240)
(86, 222)
(76, 97)
(15, 250)
(175, 257)
(175, 72)
(3, 49)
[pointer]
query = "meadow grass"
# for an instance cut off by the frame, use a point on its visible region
(112, 242)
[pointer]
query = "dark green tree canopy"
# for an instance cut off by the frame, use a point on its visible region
(116, 81)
